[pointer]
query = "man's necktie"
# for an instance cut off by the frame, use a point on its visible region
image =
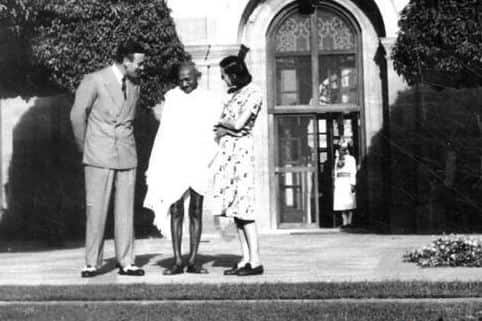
(123, 87)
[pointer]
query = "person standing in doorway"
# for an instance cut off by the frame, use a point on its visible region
(102, 120)
(344, 197)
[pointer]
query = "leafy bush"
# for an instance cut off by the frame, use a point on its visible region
(450, 250)
(16, 20)
(440, 36)
(16, 16)
(70, 38)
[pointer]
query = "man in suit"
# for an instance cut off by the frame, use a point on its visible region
(102, 120)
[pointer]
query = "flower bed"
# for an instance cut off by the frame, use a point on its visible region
(449, 250)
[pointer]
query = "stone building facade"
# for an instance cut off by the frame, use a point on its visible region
(325, 70)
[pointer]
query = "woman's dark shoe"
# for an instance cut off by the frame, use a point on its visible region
(248, 270)
(234, 270)
(175, 269)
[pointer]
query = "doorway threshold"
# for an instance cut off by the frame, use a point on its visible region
(303, 231)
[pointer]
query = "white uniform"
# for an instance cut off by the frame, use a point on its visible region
(343, 197)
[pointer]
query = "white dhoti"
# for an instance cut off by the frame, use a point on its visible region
(183, 148)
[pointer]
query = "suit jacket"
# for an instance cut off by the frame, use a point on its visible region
(102, 120)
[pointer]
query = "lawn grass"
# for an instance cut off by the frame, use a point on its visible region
(258, 291)
(252, 310)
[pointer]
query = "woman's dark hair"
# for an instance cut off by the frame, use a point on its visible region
(235, 68)
(127, 49)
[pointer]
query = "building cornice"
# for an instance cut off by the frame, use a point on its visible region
(211, 54)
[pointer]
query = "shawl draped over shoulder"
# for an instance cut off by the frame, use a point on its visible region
(183, 148)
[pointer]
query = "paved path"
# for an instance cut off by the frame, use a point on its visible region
(325, 257)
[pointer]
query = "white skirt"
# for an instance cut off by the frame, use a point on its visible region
(343, 198)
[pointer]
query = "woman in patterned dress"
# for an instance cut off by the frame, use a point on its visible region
(235, 167)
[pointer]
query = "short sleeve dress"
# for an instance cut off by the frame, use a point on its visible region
(234, 172)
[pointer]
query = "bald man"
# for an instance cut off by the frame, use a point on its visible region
(178, 168)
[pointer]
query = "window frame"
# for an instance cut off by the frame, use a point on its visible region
(315, 53)
(273, 110)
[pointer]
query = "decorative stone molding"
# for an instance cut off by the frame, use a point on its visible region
(388, 44)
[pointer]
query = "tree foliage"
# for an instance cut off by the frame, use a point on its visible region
(439, 38)
(16, 22)
(16, 16)
(69, 38)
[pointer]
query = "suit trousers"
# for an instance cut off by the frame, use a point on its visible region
(99, 183)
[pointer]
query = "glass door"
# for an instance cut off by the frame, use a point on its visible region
(331, 128)
(296, 170)
(305, 156)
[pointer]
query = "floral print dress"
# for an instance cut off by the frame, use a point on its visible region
(235, 167)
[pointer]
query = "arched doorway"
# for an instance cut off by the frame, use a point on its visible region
(316, 97)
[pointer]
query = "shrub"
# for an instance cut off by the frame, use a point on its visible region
(16, 16)
(16, 21)
(71, 38)
(450, 250)
(76, 37)
(443, 36)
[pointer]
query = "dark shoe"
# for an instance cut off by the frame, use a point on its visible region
(234, 270)
(131, 270)
(197, 269)
(248, 270)
(88, 272)
(175, 269)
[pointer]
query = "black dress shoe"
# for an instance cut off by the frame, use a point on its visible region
(197, 269)
(131, 270)
(175, 269)
(248, 270)
(88, 272)
(234, 270)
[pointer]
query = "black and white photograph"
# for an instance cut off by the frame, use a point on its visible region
(235, 160)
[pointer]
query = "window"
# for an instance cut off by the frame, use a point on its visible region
(315, 59)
